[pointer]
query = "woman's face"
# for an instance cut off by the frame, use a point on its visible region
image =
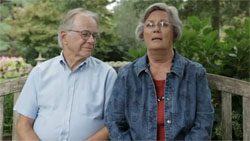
(158, 31)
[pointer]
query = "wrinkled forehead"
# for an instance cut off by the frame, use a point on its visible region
(83, 20)
(158, 15)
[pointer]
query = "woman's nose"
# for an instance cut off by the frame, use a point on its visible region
(156, 28)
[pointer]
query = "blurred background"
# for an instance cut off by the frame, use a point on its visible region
(215, 34)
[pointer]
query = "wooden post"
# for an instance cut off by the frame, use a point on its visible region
(246, 119)
(15, 116)
(1, 116)
(226, 113)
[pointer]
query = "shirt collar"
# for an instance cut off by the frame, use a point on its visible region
(62, 61)
(177, 68)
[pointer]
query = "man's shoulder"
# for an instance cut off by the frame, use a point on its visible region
(48, 64)
(95, 62)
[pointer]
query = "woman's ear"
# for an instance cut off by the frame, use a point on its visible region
(142, 37)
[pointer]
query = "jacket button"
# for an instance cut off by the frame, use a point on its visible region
(168, 121)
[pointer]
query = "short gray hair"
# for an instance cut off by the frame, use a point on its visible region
(68, 21)
(174, 20)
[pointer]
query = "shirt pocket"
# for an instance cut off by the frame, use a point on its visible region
(135, 111)
(92, 110)
(134, 117)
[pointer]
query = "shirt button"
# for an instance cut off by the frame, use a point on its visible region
(168, 121)
(168, 99)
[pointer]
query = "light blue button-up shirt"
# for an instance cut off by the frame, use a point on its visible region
(65, 104)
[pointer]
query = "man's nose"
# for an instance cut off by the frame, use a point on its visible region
(91, 39)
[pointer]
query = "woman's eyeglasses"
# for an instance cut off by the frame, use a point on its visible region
(161, 24)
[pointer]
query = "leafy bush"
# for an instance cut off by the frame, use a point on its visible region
(237, 60)
(8, 115)
(199, 43)
(11, 67)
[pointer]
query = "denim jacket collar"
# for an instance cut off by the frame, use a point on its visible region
(177, 67)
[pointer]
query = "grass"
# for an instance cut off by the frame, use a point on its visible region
(8, 115)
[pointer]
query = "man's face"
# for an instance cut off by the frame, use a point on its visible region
(79, 41)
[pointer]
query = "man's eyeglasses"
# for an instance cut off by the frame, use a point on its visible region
(161, 24)
(85, 34)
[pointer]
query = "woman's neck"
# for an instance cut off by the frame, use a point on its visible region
(160, 63)
(160, 56)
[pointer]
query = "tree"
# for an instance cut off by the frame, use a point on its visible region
(34, 29)
(32, 26)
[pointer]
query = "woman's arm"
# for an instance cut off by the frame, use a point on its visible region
(115, 114)
(203, 123)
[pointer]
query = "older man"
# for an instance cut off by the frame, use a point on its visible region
(65, 97)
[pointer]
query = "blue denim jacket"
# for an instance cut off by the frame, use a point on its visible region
(132, 110)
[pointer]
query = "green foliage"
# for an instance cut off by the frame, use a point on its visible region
(217, 125)
(237, 131)
(3, 45)
(5, 28)
(4, 10)
(30, 26)
(136, 52)
(109, 51)
(232, 8)
(228, 56)
(126, 24)
(11, 67)
(34, 29)
(8, 114)
(200, 43)
(237, 60)
(237, 125)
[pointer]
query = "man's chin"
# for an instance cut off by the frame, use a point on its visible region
(87, 55)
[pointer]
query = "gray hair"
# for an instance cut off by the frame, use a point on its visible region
(68, 21)
(174, 20)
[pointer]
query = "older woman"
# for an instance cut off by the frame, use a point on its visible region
(162, 95)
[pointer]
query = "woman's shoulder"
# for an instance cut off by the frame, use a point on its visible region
(193, 66)
(132, 67)
(126, 68)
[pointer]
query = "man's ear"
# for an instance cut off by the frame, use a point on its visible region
(63, 37)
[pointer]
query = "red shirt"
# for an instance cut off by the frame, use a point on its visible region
(160, 91)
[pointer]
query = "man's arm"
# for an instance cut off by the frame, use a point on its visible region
(100, 135)
(25, 130)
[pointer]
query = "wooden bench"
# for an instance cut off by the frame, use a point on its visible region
(225, 85)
